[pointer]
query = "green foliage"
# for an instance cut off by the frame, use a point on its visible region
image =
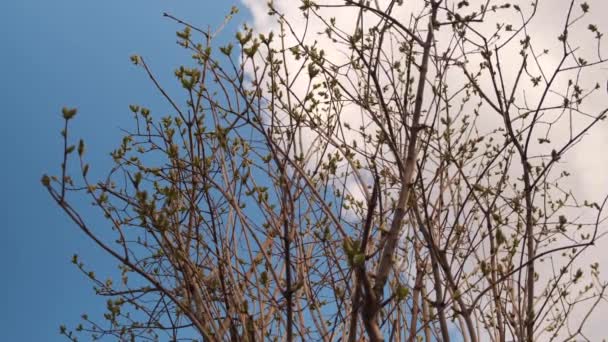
(422, 157)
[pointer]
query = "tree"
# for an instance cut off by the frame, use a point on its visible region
(409, 183)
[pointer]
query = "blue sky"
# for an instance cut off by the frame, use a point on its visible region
(70, 53)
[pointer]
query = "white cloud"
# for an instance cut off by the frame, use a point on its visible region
(588, 161)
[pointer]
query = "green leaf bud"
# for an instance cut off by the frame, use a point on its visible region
(68, 113)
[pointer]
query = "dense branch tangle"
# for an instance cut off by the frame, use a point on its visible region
(396, 187)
